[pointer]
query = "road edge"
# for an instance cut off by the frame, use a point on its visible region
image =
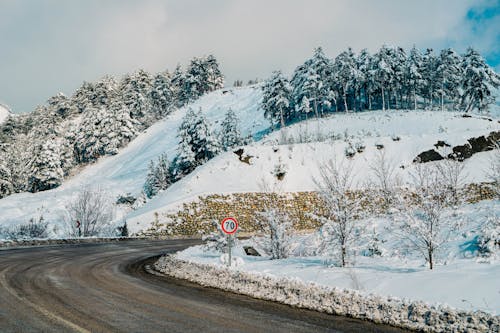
(381, 310)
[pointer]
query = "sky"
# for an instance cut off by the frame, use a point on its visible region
(53, 46)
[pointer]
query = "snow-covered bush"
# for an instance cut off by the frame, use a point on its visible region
(35, 228)
(277, 227)
(279, 170)
(215, 240)
(488, 240)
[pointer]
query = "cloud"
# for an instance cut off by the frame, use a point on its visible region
(54, 45)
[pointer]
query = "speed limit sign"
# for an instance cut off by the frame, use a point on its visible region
(229, 225)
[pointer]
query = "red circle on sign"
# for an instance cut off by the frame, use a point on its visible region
(232, 228)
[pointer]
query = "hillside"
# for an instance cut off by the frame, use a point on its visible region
(418, 131)
(125, 172)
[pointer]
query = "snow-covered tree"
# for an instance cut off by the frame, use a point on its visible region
(197, 143)
(340, 225)
(313, 79)
(478, 82)
(421, 221)
(203, 75)
(229, 135)
(276, 99)
(162, 95)
(159, 176)
(6, 187)
(429, 75)
(135, 91)
(104, 131)
(180, 89)
(384, 172)
(347, 74)
(414, 65)
(45, 168)
(449, 76)
(90, 207)
(493, 170)
(383, 73)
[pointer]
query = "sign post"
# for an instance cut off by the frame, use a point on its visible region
(229, 226)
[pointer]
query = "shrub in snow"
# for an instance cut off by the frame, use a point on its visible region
(488, 240)
(215, 240)
(35, 228)
(349, 151)
(277, 227)
(340, 225)
(279, 170)
(360, 146)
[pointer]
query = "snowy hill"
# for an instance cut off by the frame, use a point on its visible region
(4, 113)
(126, 172)
(417, 131)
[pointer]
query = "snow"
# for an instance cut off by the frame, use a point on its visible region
(460, 280)
(418, 131)
(4, 113)
(126, 171)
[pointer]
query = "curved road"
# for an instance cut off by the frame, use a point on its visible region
(105, 288)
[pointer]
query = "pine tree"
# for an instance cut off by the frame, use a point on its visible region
(197, 143)
(159, 177)
(162, 95)
(6, 187)
(276, 99)
(429, 70)
(104, 131)
(414, 77)
(46, 171)
(180, 89)
(135, 91)
(313, 80)
(229, 136)
(383, 73)
(448, 75)
(478, 81)
(346, 74)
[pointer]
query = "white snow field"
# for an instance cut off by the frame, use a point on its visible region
(4, 113)
(418, 131)
(460, 279)
(126, 172)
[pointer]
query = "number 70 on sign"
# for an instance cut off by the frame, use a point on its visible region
(229, 225)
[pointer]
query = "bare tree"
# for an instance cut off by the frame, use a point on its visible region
(340, 225)
(421, 213)
(493, 171)
(452, 175)
(91, 210)
(384, 172)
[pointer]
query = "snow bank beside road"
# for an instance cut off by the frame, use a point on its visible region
(387, 310)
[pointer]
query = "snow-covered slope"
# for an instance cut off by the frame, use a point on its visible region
(127, 171)
(4, 113)
(418, 131)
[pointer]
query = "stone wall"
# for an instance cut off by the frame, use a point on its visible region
(195, 217)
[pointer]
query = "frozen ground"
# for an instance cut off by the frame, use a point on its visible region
(461, 279)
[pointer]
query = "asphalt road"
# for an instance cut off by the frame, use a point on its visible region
(105, 288)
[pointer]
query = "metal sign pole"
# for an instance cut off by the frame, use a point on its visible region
(229, 239)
